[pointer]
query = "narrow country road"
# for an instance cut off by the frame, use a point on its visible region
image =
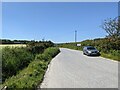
(72, 69)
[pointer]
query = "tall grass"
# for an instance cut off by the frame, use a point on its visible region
(112, 54)
(13, 60)
(32, 76)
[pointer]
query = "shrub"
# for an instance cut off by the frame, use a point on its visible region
(44, 57)
(17, 58)
(51, 51)
(30, 77)
(38, 47)
(13, 60)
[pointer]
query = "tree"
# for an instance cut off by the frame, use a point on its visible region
(112, 27)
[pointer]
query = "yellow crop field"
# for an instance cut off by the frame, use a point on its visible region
(12, 45)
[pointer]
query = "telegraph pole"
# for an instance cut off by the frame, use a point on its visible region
(43, 39)
(75, 36)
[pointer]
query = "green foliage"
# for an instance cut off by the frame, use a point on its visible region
(35, 49)
(7, 41)
(38, 47)
(115, 55)
(30, 77)
(51, 51)
(48, 54)
(107, 46)
(13, 60)
(112, 27)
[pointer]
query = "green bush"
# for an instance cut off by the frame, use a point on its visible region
(39, 47)
(36, 49)
(51, 51)
(48, 54)
(17, 58)
(29, 77)
(44, 57)
(32, 76)
(13, 60)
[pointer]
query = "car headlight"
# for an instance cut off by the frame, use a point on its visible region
(89, 51)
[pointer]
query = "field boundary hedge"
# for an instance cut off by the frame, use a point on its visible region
(30, 77)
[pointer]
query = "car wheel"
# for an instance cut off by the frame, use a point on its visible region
(84, 53)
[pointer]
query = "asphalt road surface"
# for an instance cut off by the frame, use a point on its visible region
(72, 69)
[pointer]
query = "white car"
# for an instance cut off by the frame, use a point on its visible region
(90, 50)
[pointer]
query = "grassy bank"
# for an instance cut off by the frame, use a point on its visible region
(110, 56)
(32, 75)
(16, 58)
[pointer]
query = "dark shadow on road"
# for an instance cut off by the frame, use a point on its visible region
(93, 55)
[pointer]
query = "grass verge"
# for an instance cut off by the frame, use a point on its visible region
(110, 56)
(31, 76)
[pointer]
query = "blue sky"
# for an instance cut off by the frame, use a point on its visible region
(55, 21)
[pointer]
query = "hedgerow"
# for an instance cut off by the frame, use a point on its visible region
(15, 59)
(31, 76)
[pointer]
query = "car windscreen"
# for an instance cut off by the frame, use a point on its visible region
(91, 48)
